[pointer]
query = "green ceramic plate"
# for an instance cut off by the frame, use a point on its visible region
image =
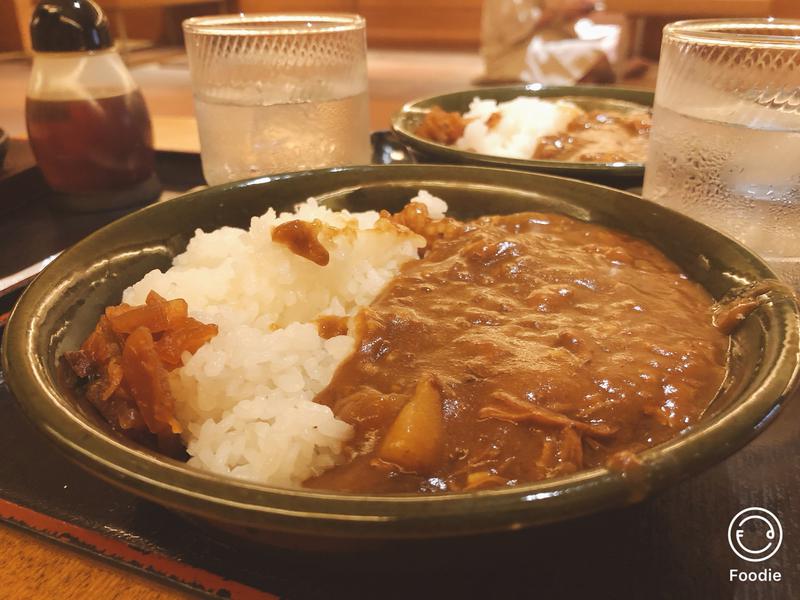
(587, 97)
(61, 306)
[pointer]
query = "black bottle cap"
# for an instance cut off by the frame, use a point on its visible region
(69, 26)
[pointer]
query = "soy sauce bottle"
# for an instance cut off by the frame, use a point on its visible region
(87, 121)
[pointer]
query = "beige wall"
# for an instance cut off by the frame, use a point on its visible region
(142, 23)
(9, 32)
(404, 23)
(298, 5)
(409, 23)
(786, 8)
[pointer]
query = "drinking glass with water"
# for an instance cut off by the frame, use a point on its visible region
(277, 93)
(725, 140)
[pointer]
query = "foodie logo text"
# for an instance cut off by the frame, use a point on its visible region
(755, 534)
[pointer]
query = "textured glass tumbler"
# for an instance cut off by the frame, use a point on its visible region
(725, 140)
(276, 93)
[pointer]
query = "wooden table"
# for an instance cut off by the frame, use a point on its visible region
(33, 568)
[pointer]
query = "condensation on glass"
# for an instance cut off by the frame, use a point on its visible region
(725, 141)
(276, 93)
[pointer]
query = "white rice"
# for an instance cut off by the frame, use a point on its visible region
(245, 399)
(523, 122)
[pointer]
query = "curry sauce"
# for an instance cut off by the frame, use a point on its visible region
(594, 136)
(599, 137)
(519, 348)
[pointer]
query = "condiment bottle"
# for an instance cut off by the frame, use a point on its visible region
(87, 121)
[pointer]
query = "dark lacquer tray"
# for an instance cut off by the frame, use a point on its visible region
(672, 546)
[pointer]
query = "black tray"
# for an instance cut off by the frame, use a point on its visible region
(672, 546)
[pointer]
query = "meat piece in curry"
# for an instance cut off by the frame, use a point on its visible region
(519, 348)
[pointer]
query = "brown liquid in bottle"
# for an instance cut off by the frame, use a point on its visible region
(92, 145)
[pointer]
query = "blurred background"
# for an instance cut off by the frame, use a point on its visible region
(416, 47)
